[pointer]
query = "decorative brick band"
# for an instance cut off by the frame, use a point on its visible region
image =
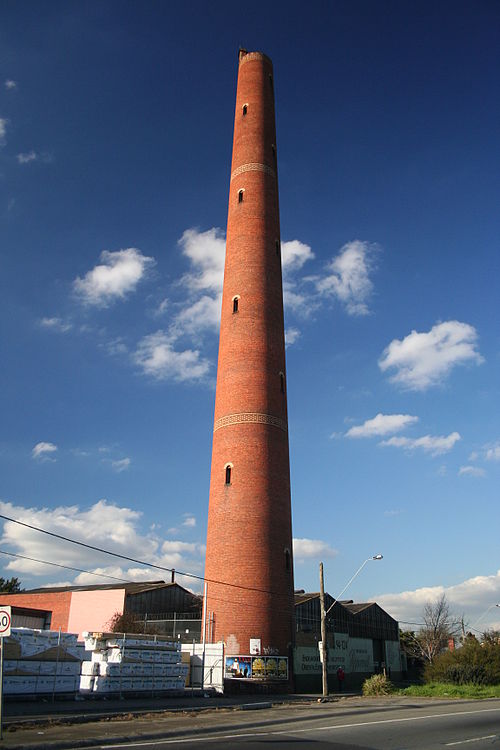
(248, 56)
(253, 417)
(253, 167)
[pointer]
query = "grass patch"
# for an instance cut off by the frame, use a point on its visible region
(449, 690)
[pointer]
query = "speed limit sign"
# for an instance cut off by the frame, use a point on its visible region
(5, 621)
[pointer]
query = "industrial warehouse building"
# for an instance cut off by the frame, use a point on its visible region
(361, 638)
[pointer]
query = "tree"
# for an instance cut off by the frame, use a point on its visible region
(125, 622)
(10, 585)
(438, 628)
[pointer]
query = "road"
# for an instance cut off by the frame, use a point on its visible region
(408, 726)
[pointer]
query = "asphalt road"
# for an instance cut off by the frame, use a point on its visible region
(426, 726)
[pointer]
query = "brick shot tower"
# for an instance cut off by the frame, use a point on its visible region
(249, 564)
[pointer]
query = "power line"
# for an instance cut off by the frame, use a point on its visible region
(139, 562)
(66, 567)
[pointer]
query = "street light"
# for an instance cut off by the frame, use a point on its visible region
(484, 614)
(324, 614)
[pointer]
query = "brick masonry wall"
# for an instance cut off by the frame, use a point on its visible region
(249, 539)
(57, 603)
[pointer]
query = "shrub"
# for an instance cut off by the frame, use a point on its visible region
(474, 663)
(377, 684)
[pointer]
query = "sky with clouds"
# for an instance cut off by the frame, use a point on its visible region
(115, 147)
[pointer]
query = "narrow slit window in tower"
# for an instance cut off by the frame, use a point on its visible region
(282, 382)
(228, 474)
(245, 109)
(235, 304)
(240, 196)
(274, 152)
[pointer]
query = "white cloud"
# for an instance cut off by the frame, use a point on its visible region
(312, 548)
(157, 357)
(27, 157)
(10, 84)
(433, 444)
(117, 275)
(197, 316)
(55, 324)
(348, 277)
(103, 524)
(43, 451)
(162, 307)
(300, 302)
(116, 346)
(493, 452)
(292, 335)
(471, 597)
(422, 360)
(471, 471)
(293, 255)
(382, 424)
(189, 521)
(206, 251)
(3, 130)
(121, 464)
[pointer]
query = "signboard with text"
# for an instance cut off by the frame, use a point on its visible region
(5, 621)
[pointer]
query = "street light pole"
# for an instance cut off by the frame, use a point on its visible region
(324, 613)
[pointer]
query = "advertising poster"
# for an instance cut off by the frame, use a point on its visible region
(257, 667)
(282, 667)
(272, 667)
(239, 666)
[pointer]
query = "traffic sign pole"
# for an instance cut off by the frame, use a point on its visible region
(1, 687)
(5, 625)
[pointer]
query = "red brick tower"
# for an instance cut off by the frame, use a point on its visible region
(249, 541)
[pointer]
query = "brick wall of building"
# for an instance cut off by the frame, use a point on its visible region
(58, 604)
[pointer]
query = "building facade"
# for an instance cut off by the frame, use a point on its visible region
(249, 565)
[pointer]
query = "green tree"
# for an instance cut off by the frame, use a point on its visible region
(10, 585)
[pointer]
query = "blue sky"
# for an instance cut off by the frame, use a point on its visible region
(115, 146)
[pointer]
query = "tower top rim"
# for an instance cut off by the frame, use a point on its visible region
(245, 56)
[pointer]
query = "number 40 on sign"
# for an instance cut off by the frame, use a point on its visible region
(5, 621)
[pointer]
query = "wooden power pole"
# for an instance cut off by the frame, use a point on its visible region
(323, 653)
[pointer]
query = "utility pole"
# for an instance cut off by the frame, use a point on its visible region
(323, 655)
